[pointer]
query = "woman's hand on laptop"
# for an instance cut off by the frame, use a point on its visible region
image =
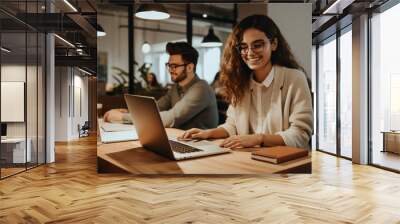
(115, 115)
(195, 133)
(242, 141)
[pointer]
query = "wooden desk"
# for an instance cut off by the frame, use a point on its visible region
(130, 157)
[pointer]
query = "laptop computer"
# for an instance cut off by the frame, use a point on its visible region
(150, 129)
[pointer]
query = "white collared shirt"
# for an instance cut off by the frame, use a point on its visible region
(261, 95)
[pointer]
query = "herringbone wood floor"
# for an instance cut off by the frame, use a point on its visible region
(70, 191)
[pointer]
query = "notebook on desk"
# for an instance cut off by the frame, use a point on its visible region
(279, 154)
(115, 127)
(113, 132)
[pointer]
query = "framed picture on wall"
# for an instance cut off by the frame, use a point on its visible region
(12, 101)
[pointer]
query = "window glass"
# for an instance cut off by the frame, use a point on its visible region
(346, 94)
(385, 88)
(327, 96)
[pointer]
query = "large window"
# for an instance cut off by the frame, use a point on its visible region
(346, 93)
(327, 96)
(335, 53)
(385, 88)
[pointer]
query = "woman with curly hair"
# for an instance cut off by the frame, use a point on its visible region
(270, 102)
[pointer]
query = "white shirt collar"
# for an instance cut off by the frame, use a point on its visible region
(267, 81)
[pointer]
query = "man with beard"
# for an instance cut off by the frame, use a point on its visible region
(190, 103)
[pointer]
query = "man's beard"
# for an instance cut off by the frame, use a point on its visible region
(180, 77)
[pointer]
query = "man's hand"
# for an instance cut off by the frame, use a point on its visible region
(242, 141)
(115, 115)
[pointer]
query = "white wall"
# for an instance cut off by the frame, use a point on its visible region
(294, 21)
(17, 73)
(14, 73)
(246, 9)
(70, 83)
(61, 104)
(33, 126)
(80, 112)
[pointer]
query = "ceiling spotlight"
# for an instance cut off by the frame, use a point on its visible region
(205, 15)
(211, 40)
(5, 50)
(84, 71)
(70, 5)
(146, 47)
(65, 41)
(152, 12)
(100, 31)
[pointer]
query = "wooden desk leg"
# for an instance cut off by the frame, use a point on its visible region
(106, 167)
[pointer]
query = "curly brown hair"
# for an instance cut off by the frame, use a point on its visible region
(235, 74)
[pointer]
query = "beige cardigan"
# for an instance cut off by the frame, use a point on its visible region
(292, 116)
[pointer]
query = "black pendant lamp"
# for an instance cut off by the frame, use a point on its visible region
(211, 40)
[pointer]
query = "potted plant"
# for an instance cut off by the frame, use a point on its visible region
(122, 78)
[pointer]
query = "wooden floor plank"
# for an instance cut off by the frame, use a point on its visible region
(70, 191)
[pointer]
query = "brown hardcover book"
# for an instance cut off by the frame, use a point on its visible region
(279, 154)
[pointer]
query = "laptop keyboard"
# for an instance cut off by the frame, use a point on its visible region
(182, 148)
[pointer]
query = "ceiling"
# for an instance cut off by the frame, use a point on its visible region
(79, 27)
(76, 26)
(330, 16)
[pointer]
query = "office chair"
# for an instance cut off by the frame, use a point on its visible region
(84, 130)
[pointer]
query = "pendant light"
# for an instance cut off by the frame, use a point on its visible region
(146, 47)
(152, 12)
(211, 40)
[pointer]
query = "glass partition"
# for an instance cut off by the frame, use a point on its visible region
(13, 95)
(22, 88)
